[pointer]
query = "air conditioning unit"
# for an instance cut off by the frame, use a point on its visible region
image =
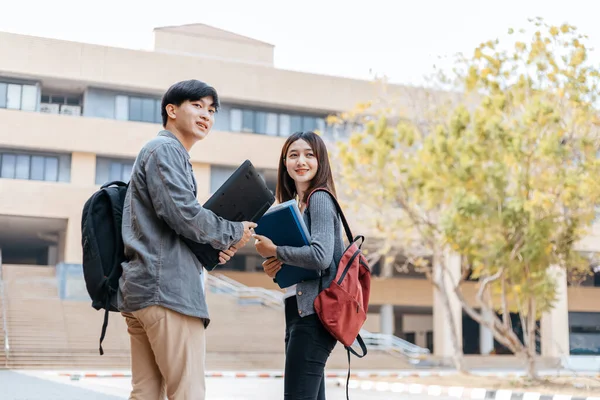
(70, 110)
(49, 108)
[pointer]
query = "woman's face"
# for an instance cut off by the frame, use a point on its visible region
(301, 163)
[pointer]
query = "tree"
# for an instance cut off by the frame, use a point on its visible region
(523, 174)
(506, 175)
(399, 214)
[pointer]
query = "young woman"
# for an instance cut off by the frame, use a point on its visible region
(303, 167)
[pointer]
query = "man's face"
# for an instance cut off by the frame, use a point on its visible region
(195, 118)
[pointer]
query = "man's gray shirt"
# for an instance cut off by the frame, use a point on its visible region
(160, 207)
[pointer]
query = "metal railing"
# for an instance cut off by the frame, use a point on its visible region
(244, 294)
(4, 321)
(390, 344)
(395, 346)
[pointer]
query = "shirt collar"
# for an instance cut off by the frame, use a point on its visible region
(169, 134)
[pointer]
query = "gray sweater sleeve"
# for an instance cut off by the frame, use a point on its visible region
(319, 254)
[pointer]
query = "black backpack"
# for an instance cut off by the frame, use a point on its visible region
(103, 250)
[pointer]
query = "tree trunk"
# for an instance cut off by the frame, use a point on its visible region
(440, 276)
(530, 342)
(387, 270)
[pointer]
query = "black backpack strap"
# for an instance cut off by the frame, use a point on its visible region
(105, 323)
(362, 345)
(349, 350)
(339, 210)
(349, 235)
(115, 200)
(116, 183)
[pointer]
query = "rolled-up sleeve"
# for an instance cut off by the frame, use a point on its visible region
(173, 199)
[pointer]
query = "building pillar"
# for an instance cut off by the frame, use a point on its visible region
(62, 238)
(555, 323)
(53, 255)
(442, 339)
(83, 169)
(70, 241)
(387, 319)
(398, 325)
(486, 337)
(202, 175)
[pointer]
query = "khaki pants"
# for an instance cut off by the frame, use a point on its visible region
(167, 355)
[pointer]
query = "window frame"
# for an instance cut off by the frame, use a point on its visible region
(31, 175)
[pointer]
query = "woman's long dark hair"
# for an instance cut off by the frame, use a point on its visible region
(286, 187)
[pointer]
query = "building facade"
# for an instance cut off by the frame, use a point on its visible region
(74, 115)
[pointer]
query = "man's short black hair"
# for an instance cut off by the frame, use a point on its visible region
(190, 90)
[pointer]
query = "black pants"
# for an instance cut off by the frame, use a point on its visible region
(307, 348)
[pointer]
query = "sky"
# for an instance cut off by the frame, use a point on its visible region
(398, 39)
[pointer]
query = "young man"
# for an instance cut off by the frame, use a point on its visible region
(161, 292)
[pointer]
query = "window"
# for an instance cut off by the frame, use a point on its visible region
(285, 125)
(8, 166)
(321, 125)
(135, 109)
(222, 122)
(261, 122)
(3, 92)
(122, 108)
(22, 167)
(236, 120)
(18, 97)
(271, 123)
(62, 99)
(313, 124)
(218, 176)
(29, 98)
(270, 177)
(158, 112)
(149, 110)
(309, 124)
(296, 124)
(584, 333)
(140, 109)
(51, 169)
(247, 121)
(13, 97)
(38, 167)
(109, 169)
(429, 341)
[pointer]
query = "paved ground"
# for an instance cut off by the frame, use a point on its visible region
(42, 386)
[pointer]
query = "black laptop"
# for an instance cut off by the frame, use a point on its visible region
(243, 197)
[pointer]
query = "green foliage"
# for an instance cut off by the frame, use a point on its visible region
(508, 176)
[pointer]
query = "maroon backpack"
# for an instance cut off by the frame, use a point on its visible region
(342, 307)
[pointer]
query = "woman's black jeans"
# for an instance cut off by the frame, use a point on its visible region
(307, 348)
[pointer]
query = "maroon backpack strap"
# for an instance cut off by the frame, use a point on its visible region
(339, 210)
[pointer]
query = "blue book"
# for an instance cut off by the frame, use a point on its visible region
(284, 225)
